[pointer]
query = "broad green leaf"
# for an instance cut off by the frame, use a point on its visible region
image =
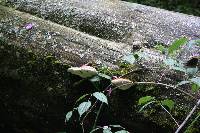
(160, 47)
(104, 76)
(182, 83)
(195, 87)
(122, 131)
(68, 116)
(80, 98)
(182, 69)
(193, 42)
(95, 130)
(106, 129)
(129, 58)
(175, 65)
(146, 99)
(198, 42)
(118, 126)
(83, 107)
(170, 62)
(101, 97)
(147, 104)
(95, 79)
(196, 80)
(142, 54)
(176, 45)
(169, 103)
(192, 71)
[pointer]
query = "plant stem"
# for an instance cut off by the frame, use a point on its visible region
(166, 85)
(88, 112)
(188, 116)
(170, 114)
(82, 126)
(95, 122)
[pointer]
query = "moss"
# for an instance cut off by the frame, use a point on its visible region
(31, 88)
(36, 90)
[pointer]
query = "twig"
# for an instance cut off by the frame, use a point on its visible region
(95, 122)
(166, 85)
(88, 112)
(170, 114)
(82, 126)
(187, 118)
(132, 71)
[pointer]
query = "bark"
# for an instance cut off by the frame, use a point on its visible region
(114, 20)
(76, 48)
(45, 37)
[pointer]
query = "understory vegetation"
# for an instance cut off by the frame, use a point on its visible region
(165, 110)
(46, 94)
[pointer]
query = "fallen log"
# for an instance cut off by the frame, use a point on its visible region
(68, 45)
(115, 20)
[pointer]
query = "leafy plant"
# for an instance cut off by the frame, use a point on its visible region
(176, 45)
(86, 107)
(145, 103)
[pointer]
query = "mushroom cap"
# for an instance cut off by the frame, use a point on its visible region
(83, 71)
(122, 84)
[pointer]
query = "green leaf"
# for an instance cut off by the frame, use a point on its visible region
(104, 76)
(106, 129)
(80, 98)
(83, 107)
(122, 131)
(95, 79)
(194, 42)
(101, 97)
(169, 103)
(95, 129)
(147, 104)
(196, 80)
(129, 58)
(68, 116)
(160, 47)
(195, 87)
(176, 45)
(198, 42)
(192, 71)
(174, 64)
(116, 126)
(182, 83)
(146, 99)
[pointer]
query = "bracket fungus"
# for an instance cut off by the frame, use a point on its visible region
(83, 71)
(122, 84)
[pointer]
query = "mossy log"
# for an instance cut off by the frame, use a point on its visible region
(68, 45)
(77, 48)
(114, 20)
